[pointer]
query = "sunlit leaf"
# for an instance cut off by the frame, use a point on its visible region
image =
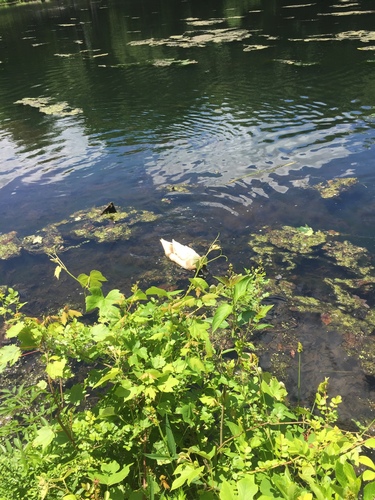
(9, 355)
(44, 437)
(222, 312)
(14, 330)
(55, 369)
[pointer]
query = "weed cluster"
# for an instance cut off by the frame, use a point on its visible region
(162, 412)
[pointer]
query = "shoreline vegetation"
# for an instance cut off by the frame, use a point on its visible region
(159, 395)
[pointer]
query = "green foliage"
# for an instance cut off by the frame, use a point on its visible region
(159, 411)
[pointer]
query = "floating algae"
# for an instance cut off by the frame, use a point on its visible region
(193, 39)
(84, 225)
(334, 187)
(46, 240)
(94, 225)
(45, 105)
(342, 303)
(10, 245)
(354, 258)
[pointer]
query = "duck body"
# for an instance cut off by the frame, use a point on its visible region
(182, 255)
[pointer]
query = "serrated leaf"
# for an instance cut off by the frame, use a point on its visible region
(100, 332)
(14, 330)
(110, 480)
(55, 369)
(168, 385)
(187, 474)
(222, 312)
(9, 355)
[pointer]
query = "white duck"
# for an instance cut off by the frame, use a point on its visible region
(182, 255)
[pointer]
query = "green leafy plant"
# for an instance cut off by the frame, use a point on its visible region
(145, 404)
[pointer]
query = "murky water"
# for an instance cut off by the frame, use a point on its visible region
(217, 116)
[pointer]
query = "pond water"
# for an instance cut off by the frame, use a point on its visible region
(198, 119)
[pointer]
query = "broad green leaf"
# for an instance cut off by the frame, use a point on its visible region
(111, 479)
(168, 385)
(109, 411)
(370, 443)
(247, 488)
(106, 305)
(208, 401)
(366, 461)
(94, 280)
(222, 312)
(196, 365)
(70, 497)
(55, 369)
(369, 491)
(111, 375)
(199, 283)
(368, 475)
(14, 330)
(9, 355)
(100, 332)
(187, 474)
(199, 329)
(44, 437)
(111, 467)
(226, 492)
(240, 288)
(154, 290)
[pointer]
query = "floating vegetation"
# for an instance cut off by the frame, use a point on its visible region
(370, 47)
(295, 63)
(45, 105)
(250, 48)
(206, 22)
(362, 35)
(334, 187)
(96, 224)
(160, 63)
(194, 39)
(65, 55)
(177, 188)
(347, 13)
(10, 245)
(46, 240)
(342, 303)
(353, 258)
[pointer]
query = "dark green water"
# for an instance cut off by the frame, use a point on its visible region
(248, 127)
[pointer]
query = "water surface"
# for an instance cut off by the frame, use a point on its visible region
(247, 124)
